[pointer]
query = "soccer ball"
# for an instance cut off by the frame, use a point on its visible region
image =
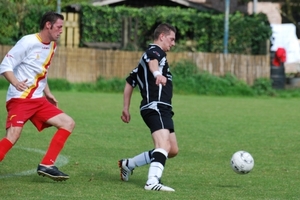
(242, 162)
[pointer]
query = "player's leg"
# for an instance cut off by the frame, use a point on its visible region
(161, 139)
(18, 112)
(161, 125)
(65, 126)
(12, 136)
(50, 115)
(128, 165)
(174, 146)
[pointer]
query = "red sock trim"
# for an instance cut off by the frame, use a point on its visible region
(56, 145)
(5, 146)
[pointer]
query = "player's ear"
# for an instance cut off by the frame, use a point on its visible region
(48, 25)
(161, 36)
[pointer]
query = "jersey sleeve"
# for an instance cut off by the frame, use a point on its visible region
(14, 57)
(132, 78)
(152, 54)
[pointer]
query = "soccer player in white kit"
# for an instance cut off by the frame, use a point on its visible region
(29, 97)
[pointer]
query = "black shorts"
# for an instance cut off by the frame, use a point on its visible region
(159, 119)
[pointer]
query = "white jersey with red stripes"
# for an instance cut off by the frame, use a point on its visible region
(29, 59)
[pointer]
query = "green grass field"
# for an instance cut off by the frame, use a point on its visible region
(209, 131)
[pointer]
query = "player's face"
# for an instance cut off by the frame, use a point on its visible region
(56, 29)
(168, 41)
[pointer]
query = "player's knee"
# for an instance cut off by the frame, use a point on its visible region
(69, 124)
(173, 152)
(13, 134)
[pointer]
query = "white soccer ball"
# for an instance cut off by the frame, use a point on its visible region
(242, 162)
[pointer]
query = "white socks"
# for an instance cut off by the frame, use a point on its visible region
(139, 160)
(156, 158)
(159, 157)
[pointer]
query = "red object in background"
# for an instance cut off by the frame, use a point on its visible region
(280, 57)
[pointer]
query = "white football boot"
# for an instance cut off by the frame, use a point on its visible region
(125, 171)
(158, 187)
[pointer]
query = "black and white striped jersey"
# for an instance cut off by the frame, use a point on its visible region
(142, 76)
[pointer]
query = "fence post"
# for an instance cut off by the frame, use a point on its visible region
(70, 35)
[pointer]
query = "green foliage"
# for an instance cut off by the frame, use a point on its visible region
(19, 18)
(59, 84)
(184, 69)
(9, 23)
(22, 17)
(31, 20)
(99, 24)
(111, 85)
(261, 31)
(196, 31)
(84, 87)
(102, 85)
(289, 93)
(263, 86)
(189, 80)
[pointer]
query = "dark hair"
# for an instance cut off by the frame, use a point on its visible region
(163, 28)
(50, 17)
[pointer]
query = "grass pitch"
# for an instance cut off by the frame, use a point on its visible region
(209, 131)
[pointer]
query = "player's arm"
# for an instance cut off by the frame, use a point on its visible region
(12, 59)
(159, 78)
(126, 102)
(50, 97)
(19, 85)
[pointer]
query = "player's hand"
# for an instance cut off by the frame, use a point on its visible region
(52, 99)
(21, 86)
(125, 116)
(160, 79)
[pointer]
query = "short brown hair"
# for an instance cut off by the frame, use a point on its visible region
(50, 17)
(163, 28)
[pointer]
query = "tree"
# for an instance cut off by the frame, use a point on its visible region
(8, 25)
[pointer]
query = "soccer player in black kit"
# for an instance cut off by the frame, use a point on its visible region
(154, 79)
